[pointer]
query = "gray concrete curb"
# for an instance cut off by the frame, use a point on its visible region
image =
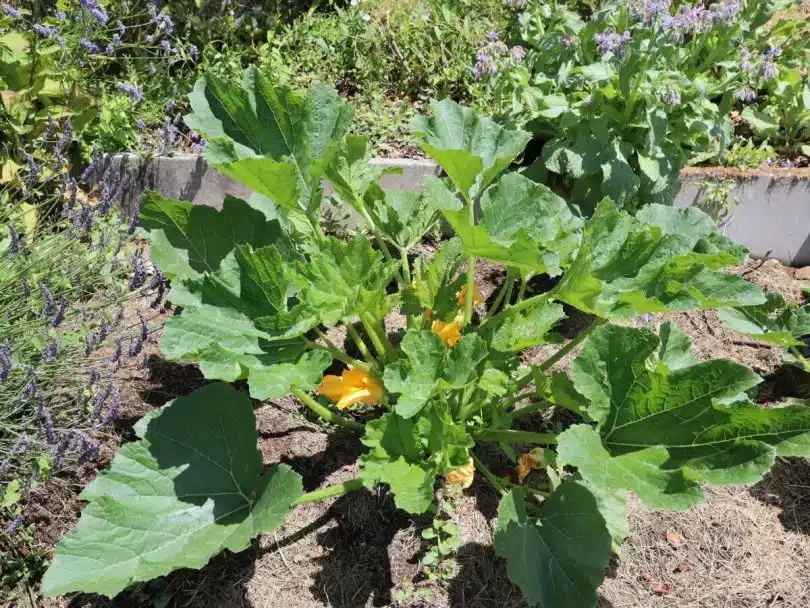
(772, 218)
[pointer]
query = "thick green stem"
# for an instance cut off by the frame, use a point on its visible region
(532, 408)
(522, 291)
(519, 305)
(491, 477)
(330, 491)
(326, 413)
(800, 358)
(376, 331)
(567, 348)
(406, 267)
(358, 341)
(548, 363)
(337, 353)
(513, 436)
(470, 295)
(501, 294)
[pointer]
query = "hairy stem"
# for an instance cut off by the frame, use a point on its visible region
(800, 358)
(501, 295)
(325, 413)
(491, 477)
(337, 489)
(468, 300)
(358, 341)
(567, 348)
(376, 332)
(522, 291)
(513, 436)
(406, 267)
(337, 353)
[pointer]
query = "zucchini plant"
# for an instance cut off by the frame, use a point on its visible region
(260, 283)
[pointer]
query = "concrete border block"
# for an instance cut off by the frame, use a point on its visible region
(772, 218)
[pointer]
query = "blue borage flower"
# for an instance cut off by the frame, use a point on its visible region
(745, 94)
(609, 41)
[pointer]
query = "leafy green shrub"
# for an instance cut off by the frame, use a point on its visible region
(744, 153)
(783, 115)
(387, 56)
(621, 101)
(259, 283)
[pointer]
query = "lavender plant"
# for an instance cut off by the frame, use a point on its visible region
(63, 285)
(622, 100)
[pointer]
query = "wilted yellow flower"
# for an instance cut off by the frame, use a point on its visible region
(462, 476)
(450, 333)
(352, 386)
(461, 295)
(535, 459)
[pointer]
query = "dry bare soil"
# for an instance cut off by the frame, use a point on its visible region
(744, 547)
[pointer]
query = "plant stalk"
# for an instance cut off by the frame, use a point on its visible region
(567, 348)
(468, 300)
(337, 489)
(358, 341)
(337, 353)
(378, 338)
(513, 436)
(491, 477)
(325, 413)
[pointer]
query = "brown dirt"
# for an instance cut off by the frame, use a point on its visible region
(746, 547)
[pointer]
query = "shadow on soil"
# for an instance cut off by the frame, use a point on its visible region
(787, 486)
(786, 382)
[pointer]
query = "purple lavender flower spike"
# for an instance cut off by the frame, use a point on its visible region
(136, 346)
(15, 525)
(88, 448)
(60, 312)
(14, 246)
(133, 91)
(47, 296)
(96, 10)
(11, 11)
(138, 271)
(144, 326)
(89, 46)
(46, 420)
(5, 361)
(45, 31)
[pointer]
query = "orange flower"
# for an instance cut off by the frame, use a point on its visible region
(461, 295)
(352, 386)
(523, 468)
(535, 459)
(462, 476)
(450, 333)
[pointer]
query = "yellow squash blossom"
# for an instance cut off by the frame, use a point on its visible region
(450, 333)
(462, 476)
(461, 296)
(352, 386)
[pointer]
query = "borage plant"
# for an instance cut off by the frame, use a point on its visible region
(260, 284)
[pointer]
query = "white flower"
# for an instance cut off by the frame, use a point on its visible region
(366, 17)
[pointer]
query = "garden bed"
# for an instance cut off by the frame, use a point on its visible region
(745, 547)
